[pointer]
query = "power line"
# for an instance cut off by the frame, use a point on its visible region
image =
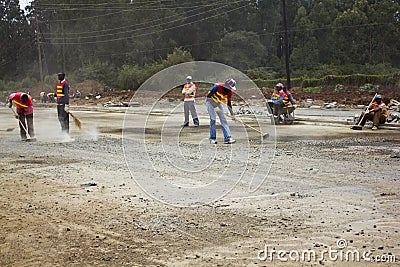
(92, 17)
(140, 8)
(259, 34)
(145, 34)
(195, 8)
(183, 18)
(107, 3)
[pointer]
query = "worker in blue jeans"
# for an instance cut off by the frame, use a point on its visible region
(218, 94)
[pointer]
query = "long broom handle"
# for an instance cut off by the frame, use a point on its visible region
(251, 127)
(372, 101)
(20, 122)
(245, 124)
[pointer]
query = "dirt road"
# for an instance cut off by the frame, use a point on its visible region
(73, 201)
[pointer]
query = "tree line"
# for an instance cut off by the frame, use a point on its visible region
(122, 42)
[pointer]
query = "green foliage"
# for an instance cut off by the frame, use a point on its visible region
(264, 73)
(14, 86)
(103, 72)
(50, 82)
(312, 89)
(242, 50)
(178, 56)
(367, 87)
(108, 42)
(339, 88)
(16, 40)
(132, 76)
(29, 82)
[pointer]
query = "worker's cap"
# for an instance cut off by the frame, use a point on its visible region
(378, 97)
(189, 77)
(232, 83)
(280, 85)
(61, 73)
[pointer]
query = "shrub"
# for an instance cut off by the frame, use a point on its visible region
(312, 89)
(99, 71)
(130, 77)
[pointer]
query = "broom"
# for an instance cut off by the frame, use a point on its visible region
(77, 122)
(30, 139)
(358, 125)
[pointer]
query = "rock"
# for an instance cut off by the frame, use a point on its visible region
(133, 104)
(395, 154)
(89, 184)
(315, 107)
(106, 258)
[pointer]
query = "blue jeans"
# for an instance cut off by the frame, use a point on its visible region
(211, 104)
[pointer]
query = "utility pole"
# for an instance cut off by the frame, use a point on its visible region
(38, 45)
(286, 37)
(63, 47)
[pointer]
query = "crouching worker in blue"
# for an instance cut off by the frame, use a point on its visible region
(218, 94)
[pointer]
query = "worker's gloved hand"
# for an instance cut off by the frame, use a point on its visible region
(367, 111)
(9, 104)
(66, 108)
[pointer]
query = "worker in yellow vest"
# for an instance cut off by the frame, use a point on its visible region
(220, 93)
(189, 93)
(62, 96)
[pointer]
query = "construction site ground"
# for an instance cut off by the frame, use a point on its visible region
(72, 200)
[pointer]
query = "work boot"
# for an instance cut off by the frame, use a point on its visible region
(185, 124)
(196, 122)
(213, 141)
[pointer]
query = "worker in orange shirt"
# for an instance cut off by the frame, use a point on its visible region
(377, 113)
(24, 105)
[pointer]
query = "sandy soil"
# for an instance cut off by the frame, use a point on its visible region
(73, 201)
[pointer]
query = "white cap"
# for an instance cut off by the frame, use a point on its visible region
(189, 78)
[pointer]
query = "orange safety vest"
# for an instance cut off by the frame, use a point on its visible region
(187, 87)
(286, 98)
(382, 105)
(219, 95)
(60, 85)
(28, 106)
